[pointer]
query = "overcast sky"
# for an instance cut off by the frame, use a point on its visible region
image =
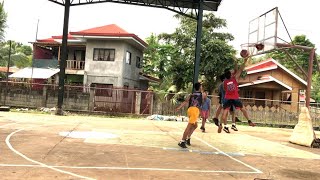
(301, 17)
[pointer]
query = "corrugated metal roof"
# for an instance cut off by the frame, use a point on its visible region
(36, 73)
(210, 5)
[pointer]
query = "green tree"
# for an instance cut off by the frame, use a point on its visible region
(315, 92)
(216, 54)
(301, 57)
(3, 20)
(157, 61)
(21, 55)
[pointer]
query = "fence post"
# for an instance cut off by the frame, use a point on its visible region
(44, 96)
(1, 94)
(151, 103)
(138, 102)
(91, 99)
(67, 100)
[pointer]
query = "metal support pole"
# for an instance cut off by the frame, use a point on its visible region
(64, 56)
(309, 80)
(198, 44)
(296, 63)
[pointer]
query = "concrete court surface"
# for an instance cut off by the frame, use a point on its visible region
(41, 146)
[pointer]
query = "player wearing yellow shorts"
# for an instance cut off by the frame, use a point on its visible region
(195, 103)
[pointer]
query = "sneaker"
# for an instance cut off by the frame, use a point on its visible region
(216, 121)
(220, 128)
(234, 127)
(251, 123)
(237, 119)
(182, 144)
(188, 142)
(226, 129)
(203, 129)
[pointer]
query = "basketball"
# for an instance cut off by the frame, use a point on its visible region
(259, 46)
(244, 53)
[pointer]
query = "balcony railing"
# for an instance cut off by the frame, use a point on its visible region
(75, 64)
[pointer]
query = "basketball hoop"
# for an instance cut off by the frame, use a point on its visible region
(248, 49)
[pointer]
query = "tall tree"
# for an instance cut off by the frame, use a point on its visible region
(158, 60)
(3, 20)
(216, 54)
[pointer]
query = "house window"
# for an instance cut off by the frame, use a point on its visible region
(103, 54)
(104, 90)
(138, 62)
(247, 94)
(125, 91)
(286, 97)
(128, 57)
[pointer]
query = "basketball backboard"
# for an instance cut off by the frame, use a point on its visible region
(267, 29)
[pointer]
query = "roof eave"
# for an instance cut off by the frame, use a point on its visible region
(143, 45)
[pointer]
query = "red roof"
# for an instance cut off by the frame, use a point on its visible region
(48, 40)
(60, 37)
(111, 30)
(262, 65)
(108, 29)
(11, 69)
(52, 39)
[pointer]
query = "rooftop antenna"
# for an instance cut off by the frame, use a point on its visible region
(33, 53)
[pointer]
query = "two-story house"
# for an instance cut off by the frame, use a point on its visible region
(106, 56)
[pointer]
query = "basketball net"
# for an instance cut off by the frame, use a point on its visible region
(250, 47)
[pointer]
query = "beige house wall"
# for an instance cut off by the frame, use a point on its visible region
(275, 94)
(116, 72)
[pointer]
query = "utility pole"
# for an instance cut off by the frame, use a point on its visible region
(198, 44)
(62, 63)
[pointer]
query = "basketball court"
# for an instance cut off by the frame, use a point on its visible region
(38, 146)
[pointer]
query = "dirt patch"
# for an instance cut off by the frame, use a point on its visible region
(299, 174)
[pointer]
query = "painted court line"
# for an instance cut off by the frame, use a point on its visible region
(128, 168)
(36, 162)
(247, 165)
(202, 152)
(55, 168)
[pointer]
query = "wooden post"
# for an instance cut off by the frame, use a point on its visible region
(309, 80)
(151, 103)
(59, 54)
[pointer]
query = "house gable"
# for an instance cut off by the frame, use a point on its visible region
(266, 79)
(271, 64)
